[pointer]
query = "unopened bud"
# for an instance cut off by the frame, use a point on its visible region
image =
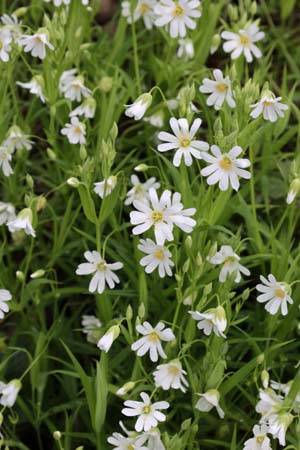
(105, 84)
(129, 312)
(215, 43)
(74, 182)
(141, 310)
(37, 274)
(188, 242)
(141, 168)
(20, 275)
(125, 388)
(51, 154)
(265, 378)
(82, 153)
(293, 191)
(29, 181)
(260, 359)
(57, 435)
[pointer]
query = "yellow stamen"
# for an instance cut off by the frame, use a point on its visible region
(260, 439)
(222, 87)
(159, 254)
(178, 11)
(184, 142)
(153, 337)
(157, 216)
(147, 409)
(101, 265)
(267, 103)
(244, 39)
(173, 370)
(143, 8)
(279, 293)
(226, 163)
(229, 261)
(77, 130)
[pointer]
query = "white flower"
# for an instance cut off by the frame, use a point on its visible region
(170, 375)
(225, 168)
(183, 141)
(149, 414)
(143, 9)
(91, 325)
(65, 79)
(293, 191)
(185, 48)
(154, 440)
(7, 212)
(269, 404)
(103, 271)
(260, 441)
(105, 187)
(37, 43)
(137, 109)
(75, 131)
(13, 25)
(178, 14)
(9, 392)
(5, 41)
(86, 109)
(158, 256)
(230, 264)
(278, 425)
(17, 140)
(276, 295)
(5, 158)
(151, 340)
(5, 296)
(140, 191)
(269, 106)
(156, 119)
(243, 42)
(108, 338)
(162, 215)
(75, 89)
(23, 221)
(208, 401)
(58, 3)
(219, 90)
(35, 86)
(213, 319)
(129, 442)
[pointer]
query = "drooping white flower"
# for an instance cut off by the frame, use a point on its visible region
(144, 10)
(154, 440)
(156, 119)
(158, 256)
(185, 49)
(132, 441)
(37, 43)
(170, 375)
(293, 191)
(75, 131)
(275, 293)
(9, 392)
(103, 271)
(108, 338)
(183, 141)
(65, 79)
(75, 89)
(58, 3)
(230, 264)
(86, 109)
(5, 296)
(35, 86)
(5, 158)
(148, 413)
(178, 15)
(91, 325)
(219, 89)
(225, 168)
(243, 42)
(162, 214)
(260, 441)
(278, 425)
(151, 340)
(138, 108)
(105, 187)
(213, 319)
(16, 139)
(208, 401)
(13, 25)
(5, 44)
(7, 213)
(269, 403)
(269, 106)
(23, 221)
(285, 389)
(140, 191)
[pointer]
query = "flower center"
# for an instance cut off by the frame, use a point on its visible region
(143, 8)
(157, 216)
(222, 87)
(130, 447)
(173, 370)
(153, 337)
(38, 39)
(260, 439)
(77, 130)
(147, 409)
(101, 265)
(159, 254)
(138, 189)
(267, 103)
(178, 11)
(185, 142)
(279, 293)
(226, 163)
(1, 44)
(3, 156)
(229, 261)
(244, 39)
